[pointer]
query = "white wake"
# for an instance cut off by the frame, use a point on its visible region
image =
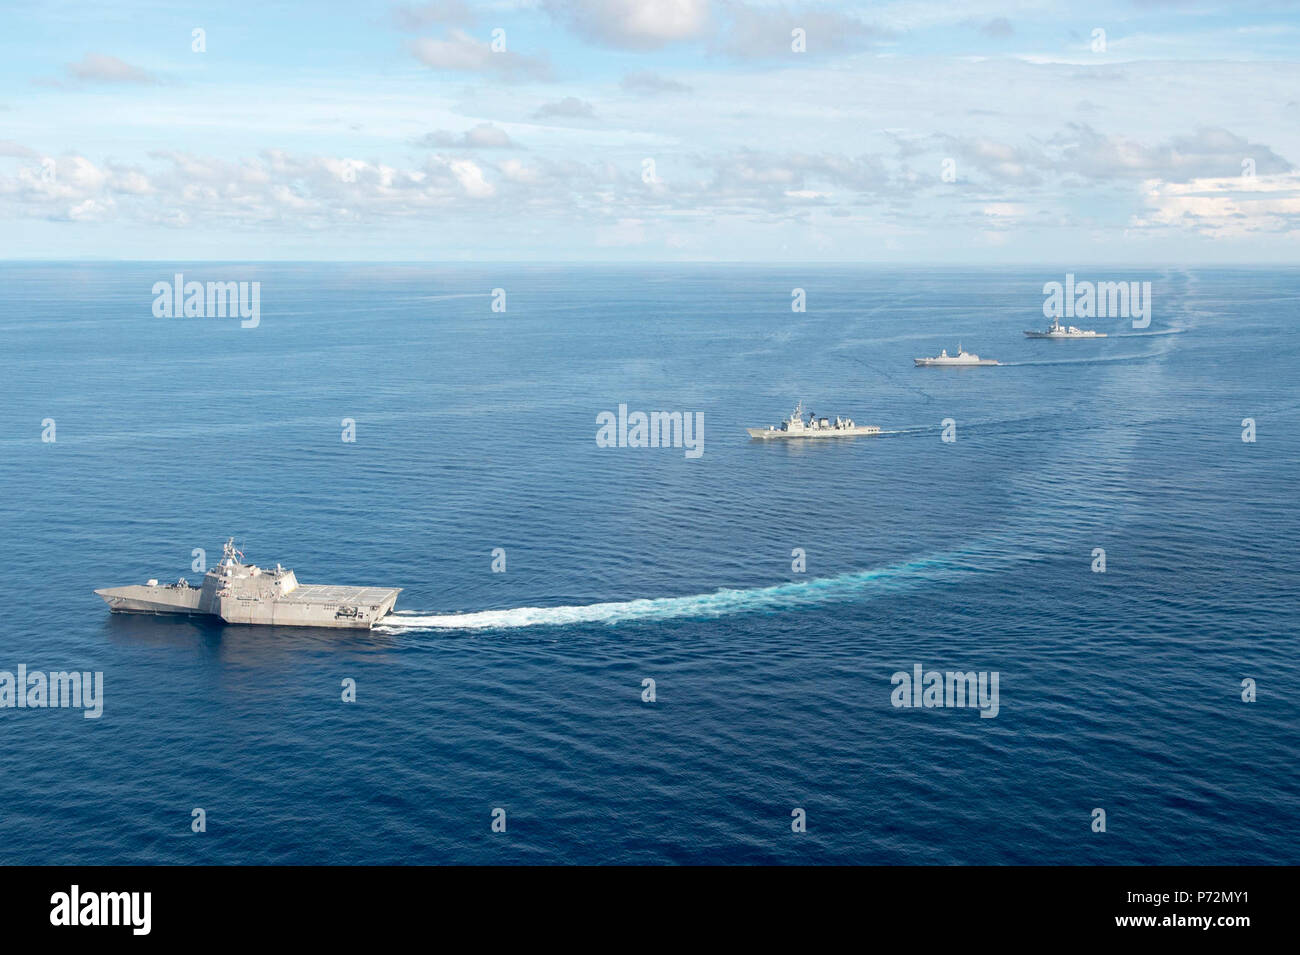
(776, 597)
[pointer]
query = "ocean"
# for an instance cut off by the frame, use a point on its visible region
(770, 590)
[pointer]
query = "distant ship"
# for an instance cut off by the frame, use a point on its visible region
(245, 593)
(963, 359)
(1057, 330)
(815, 427)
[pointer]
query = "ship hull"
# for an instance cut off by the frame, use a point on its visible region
(157, 600)
(314, 605)
(1051, 337)
(764, 434)
(342, 608)
(931, 363)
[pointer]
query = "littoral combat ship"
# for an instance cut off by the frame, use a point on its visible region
(815, 427)
(244, 593)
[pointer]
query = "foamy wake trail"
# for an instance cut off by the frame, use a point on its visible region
(1094, 360)
(803, 593)
(919, 429)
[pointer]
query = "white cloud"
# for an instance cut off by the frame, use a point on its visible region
(470, 177)
(102, 68)
(998, 27)
(651, 83)
(634, 24)
(1207, 152)
(758, 32)
(1226, 207)
(568, 108)
(460, 52)
(412, 16)
(8, 148)
(482, 136)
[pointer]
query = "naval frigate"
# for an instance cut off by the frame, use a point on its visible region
(815, 427)
(963, 359)
(1057, 331)
(238, 592)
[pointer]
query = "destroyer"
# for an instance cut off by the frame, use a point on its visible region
(815, 427)
(244, 593)
(1057, 330)
(963, 359)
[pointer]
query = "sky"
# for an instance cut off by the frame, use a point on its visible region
(1150, 132)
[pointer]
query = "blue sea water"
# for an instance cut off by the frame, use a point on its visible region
(522, 690)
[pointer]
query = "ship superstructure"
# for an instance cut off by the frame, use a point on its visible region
(815, 427)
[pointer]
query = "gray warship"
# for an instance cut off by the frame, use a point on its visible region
(1057, 331)
(815, 427)
(963, 359)
(245, 593)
